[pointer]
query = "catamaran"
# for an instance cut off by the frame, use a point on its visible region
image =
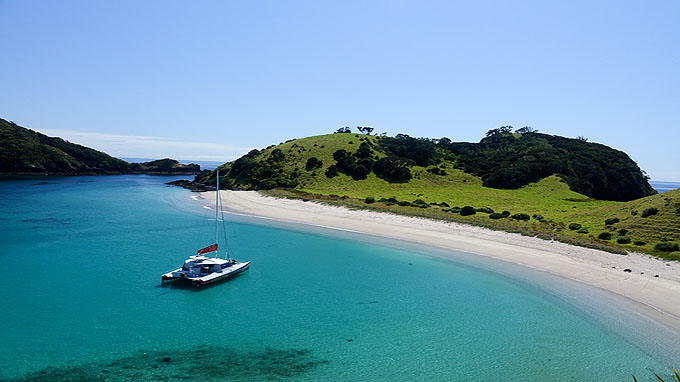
(200, 269)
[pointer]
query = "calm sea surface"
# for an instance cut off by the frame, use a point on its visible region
(664, 186)
(81, 299)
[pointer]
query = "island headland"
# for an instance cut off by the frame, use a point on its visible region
(556, 188)
(27, 152)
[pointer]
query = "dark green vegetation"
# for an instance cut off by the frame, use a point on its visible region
(205, 363)
(505, 160)
(502, 160)
(436, 179)
(24, 151)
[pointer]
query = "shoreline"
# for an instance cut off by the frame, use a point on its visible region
(588, 266)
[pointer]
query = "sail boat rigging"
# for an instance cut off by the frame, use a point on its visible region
(199, 269)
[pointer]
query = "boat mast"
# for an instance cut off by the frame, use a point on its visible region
(217, 209)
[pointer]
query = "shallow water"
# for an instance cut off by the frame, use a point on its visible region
(82, 299)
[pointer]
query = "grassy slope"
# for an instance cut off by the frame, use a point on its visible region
(549, 197)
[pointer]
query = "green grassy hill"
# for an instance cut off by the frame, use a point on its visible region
(440, 183)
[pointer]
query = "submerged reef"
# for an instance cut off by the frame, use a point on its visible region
(200, 363)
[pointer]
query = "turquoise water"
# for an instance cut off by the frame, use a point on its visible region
(82, 300)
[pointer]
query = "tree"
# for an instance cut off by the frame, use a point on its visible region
(582, 138)
(365, 129)
(345, 129)
(526, 130)
(364, 151)
(499, 131)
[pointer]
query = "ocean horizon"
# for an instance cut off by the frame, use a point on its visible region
(84, 300)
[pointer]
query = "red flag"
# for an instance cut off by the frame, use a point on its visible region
(210, 248)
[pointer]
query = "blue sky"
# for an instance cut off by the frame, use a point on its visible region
(210, 80)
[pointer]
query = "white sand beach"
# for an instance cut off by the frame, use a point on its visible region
(597, 268)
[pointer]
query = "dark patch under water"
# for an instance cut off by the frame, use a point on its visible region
(202, 363)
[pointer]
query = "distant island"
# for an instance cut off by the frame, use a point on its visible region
(24, 151)
(516, 180)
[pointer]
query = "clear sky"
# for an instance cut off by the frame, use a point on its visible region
(210, 80)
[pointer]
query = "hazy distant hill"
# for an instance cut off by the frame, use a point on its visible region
(24, 151)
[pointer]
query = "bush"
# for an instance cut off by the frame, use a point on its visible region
(505, 214)
(467, 210)
(520, 216)
(276, 155)
(639, 242)
(420, 203)
(623, 232)
(495, 215)
(605, 236)
(332, 171)
(404, 203)
(455, 210)
(313, 163)
(611, 221)
(649, 212)
(574, 226)
(666, 247)
(540, 218)
(633, 212)
(369, 200)
(583, 230)
(485, 210)
(623, 240)
(392, 169)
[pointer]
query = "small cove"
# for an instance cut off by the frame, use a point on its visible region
(315, 305)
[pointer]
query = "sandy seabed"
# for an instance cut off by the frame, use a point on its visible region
(593, 267)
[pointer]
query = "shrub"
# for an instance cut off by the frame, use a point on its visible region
(358, 172)
(467, 210)
(392, 169)
(666, 247)
(583, 230)
(364, 151)
(605, 236)
(639, 242)
(540, 218)
(455, 210)
(313, 163)
(633, 212)
(420, 203)
(276, 155)
(611, 221)
(444, 204)
(332, 171)
(369, 200)
(623, 240)
(404, 203)
(505, 214)
(623, 232)
(574, 226)
(520, 216)
(677, 209)
(649, 212)
(485, 210)
(495, 215)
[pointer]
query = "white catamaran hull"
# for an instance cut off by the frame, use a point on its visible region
(207, 278)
